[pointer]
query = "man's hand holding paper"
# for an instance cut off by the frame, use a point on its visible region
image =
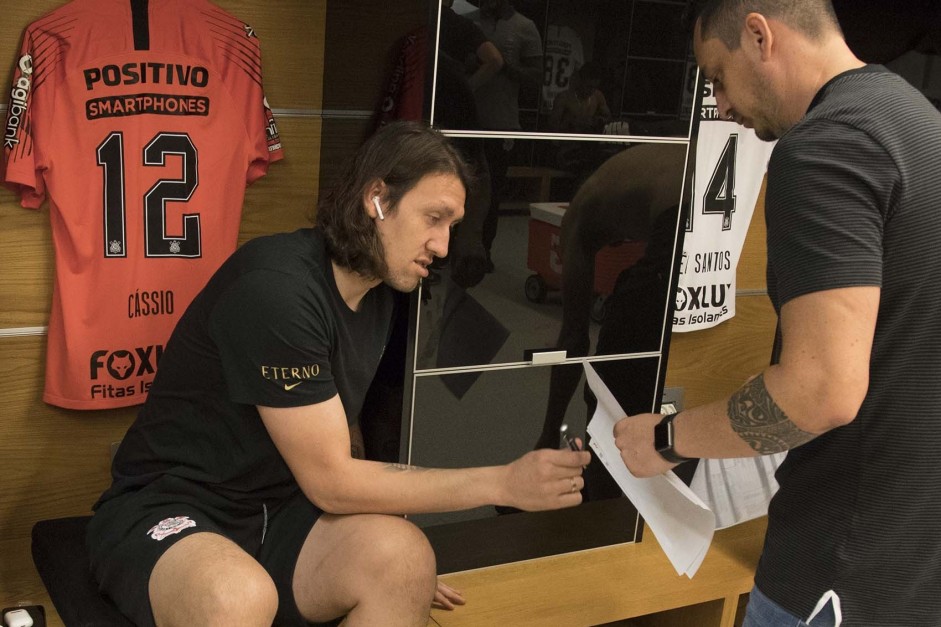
(633, 436)
(679, 519)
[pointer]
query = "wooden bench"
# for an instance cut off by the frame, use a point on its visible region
(598, 586)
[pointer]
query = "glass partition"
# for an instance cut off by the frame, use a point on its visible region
(568, 250)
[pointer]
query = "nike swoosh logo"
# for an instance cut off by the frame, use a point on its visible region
(288, 388)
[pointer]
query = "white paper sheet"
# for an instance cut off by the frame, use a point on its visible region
(682, 523)
(737, 490)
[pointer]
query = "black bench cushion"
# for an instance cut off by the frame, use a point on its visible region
(62, 561)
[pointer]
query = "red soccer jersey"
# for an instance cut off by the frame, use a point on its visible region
(142, 122)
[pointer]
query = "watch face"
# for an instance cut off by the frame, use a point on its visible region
(663, 434)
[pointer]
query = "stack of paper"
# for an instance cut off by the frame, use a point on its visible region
(682, 523)
(724, 491)
(737, 490)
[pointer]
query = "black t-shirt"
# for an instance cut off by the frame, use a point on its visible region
(270, 328)
(854, 199)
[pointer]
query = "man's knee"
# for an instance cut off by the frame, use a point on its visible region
(207, 580)
(401, 550)
(239, 595)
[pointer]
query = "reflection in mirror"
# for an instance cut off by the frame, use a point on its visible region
(493, 417)
(567, 254)
(615, 67)
(632, 198)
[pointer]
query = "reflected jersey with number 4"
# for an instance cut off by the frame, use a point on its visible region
(142, 128)
(730, 166)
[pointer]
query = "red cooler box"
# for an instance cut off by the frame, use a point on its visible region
(544, 257)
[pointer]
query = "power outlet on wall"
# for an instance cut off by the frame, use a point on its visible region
(672, 401)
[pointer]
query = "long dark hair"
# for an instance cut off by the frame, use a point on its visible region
(399, 154)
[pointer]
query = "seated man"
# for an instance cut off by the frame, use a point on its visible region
(236, 499)
(582, 108)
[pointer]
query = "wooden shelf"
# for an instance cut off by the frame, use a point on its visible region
(609, 584)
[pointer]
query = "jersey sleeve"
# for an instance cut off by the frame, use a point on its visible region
(275, 341)
(21, 168)
(240, 60)
(531, 45)
(825, 209)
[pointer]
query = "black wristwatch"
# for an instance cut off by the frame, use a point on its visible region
(663, 440)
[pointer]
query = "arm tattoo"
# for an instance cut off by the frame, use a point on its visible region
(403, 467)
(758, 420)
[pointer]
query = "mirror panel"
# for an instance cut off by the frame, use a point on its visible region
(492, 417)
(614, 67)
(569, 243)
(571, 248)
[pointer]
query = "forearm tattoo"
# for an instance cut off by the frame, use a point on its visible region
(758, 420)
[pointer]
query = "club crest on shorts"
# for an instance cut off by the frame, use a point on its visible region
(170, 526)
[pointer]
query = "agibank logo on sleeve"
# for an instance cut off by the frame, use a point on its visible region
(19, 102)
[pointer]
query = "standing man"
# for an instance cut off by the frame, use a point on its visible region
(236, 499)
(853, 220)
(498, 107)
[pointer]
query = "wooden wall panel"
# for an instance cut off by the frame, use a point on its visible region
(285, 198)
(714, 362)
(341, 138)
(55, 462)
(365, 35)
(46, 449)
(26, 264)
(751, 265)
(292, 34)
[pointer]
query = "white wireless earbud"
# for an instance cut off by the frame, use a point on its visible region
(375, 201)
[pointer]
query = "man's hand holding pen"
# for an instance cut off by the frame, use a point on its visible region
(546, 479)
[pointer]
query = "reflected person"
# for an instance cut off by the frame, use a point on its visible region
(518, 40)
(582, 108)
(634, 195)
(466, 61)
(462, 40)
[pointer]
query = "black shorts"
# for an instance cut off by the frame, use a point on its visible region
(129, 533)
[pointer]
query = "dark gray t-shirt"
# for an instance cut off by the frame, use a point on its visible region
(269, 329)
(854, 199)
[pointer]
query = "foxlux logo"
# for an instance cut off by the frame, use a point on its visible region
(122, 364)
(702, 297)
(19, 98)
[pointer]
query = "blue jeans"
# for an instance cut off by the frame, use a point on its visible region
(763, 612)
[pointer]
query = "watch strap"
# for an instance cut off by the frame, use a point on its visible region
(664, 440)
